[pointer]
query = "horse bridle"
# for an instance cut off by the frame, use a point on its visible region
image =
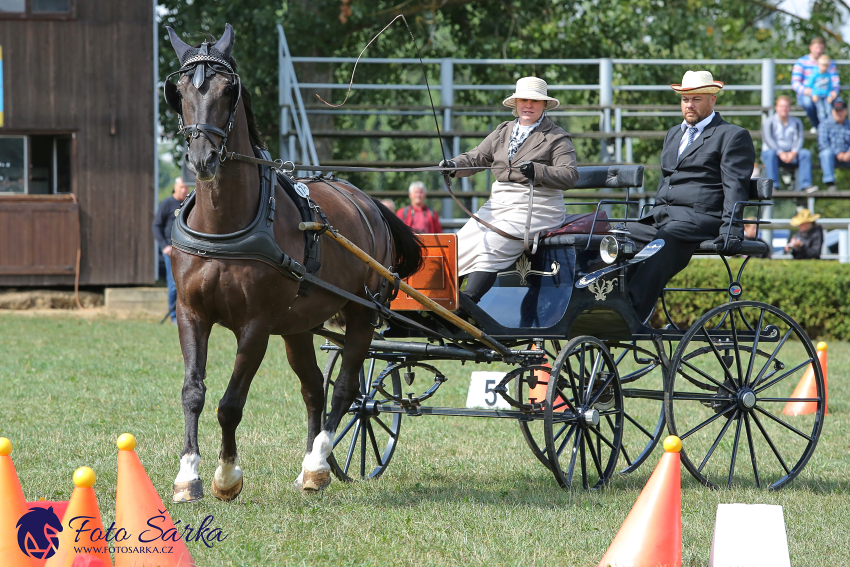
(198, 64)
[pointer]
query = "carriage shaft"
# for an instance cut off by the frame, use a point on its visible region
(418, 296)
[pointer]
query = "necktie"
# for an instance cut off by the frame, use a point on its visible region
(692, 133)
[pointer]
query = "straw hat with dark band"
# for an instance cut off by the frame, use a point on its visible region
(803, 216)
(698, 82)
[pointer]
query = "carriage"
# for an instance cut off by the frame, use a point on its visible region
(592, 387)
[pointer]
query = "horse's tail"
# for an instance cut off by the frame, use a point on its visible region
(408, 248)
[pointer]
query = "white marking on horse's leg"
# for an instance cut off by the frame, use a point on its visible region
(227, 474)
(188, 468)
(317, 459)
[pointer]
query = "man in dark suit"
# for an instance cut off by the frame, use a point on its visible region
(706, 165)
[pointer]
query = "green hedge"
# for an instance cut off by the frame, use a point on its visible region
(816, 293)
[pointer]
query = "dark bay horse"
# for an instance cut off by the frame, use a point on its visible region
(250, 297)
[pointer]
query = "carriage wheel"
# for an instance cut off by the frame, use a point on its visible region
(583, 421)
(727, 391)
(531, 387)
(642, 381)
(365, 439)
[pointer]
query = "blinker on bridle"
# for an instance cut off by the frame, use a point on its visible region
(198, 65)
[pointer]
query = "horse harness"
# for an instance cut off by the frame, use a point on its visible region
(256, 241)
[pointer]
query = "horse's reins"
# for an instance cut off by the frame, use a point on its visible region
(289, 167)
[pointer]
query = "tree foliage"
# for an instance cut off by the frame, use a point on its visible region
(653, 29)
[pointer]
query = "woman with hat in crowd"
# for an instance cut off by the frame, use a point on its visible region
(806, 244)
(524, 151)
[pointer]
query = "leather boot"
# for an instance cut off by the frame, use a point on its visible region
(479, 283)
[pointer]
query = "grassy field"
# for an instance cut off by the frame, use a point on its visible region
(458, 491)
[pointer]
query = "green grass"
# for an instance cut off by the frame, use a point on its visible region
(458, 491)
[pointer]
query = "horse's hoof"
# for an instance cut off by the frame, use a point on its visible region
(188, 491)
(315, 481)
(229, 494)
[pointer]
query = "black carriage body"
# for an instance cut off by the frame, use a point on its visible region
(728, 374)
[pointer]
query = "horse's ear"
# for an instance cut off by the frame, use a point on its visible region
(225, 44)
(178, 44)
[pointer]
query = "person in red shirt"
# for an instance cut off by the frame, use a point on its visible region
(417, 215)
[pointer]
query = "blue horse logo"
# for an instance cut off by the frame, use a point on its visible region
(38, 533)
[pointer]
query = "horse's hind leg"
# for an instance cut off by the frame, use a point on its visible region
(302, 360)
(358, 337)
(194, 337)
(227, 482)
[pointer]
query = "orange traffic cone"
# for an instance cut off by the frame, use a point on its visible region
(86, 560)
(137, 502)
(651, 536)
(83, 503)
(808, 388)
(537, 394)
(12, 507)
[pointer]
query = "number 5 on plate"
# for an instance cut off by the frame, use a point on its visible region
(481, 391)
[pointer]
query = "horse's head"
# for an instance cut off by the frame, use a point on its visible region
(205, 99)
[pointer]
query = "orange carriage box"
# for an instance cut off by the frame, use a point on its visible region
(438, 277)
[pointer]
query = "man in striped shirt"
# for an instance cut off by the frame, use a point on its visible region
(804, 68)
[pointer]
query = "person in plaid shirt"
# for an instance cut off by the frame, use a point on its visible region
(834, 143)
(804, 68)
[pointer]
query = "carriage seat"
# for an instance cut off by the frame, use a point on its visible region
(760, 190)
(576, 228)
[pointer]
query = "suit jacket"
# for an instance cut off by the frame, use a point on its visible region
(549, 147)
(703, 184)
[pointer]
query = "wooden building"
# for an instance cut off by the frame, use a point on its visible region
(77, 142)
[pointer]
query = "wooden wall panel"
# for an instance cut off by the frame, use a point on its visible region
(93, 77)
(45, 233)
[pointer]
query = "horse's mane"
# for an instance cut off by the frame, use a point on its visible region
(253, 131)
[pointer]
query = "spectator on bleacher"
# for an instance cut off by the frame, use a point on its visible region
(782, 144)
(820, 84)
(389, 203)
(804, 68)
(417, 215)
(806, 244)
(751, 232)
(834, 143)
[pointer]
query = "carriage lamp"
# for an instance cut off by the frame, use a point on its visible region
(613, 248)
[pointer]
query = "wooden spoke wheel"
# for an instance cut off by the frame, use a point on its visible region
(642, 381)
(583, 418)
(365, 439)
(729, 393)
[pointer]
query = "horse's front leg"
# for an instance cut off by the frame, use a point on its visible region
(194, 338)
(227, 482)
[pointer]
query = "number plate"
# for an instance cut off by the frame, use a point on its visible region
(481, 394)
(302, 190)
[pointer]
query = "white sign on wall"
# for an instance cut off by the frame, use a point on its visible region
(481, 394)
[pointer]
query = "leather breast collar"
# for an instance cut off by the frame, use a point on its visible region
(254, 242)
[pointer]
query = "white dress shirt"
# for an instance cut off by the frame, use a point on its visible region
(700, 126)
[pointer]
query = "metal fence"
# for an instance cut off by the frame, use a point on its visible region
(296, 136)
